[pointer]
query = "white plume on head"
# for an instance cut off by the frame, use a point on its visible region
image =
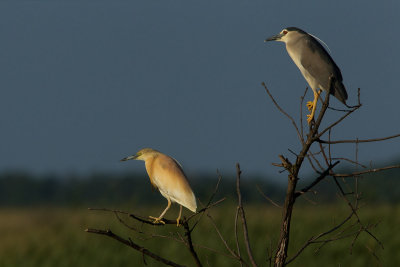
(321, 42)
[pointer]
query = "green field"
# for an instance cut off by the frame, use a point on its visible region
(50, 236)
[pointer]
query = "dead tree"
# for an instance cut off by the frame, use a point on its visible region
(321, 162)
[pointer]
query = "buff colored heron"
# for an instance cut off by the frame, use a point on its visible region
(167, 175)
(314, 63)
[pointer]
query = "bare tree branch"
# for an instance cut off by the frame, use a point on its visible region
(233, 253)
(314, 238)
(310, 158)
(166, 221)
(236, 234)
(319, 159)
(243, 216)
(267, 198)
(354, 174)
(336, 122)
(281, 253)
(317, 180)
(354, 209)
(284, 113)
(351, 161)
(358, 140)
(129, 243)
(209, 205)
(188, 234)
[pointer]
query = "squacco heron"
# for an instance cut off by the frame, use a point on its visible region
(166, 174)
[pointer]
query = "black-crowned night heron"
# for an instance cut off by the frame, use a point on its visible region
(166, 174)
(314, 63)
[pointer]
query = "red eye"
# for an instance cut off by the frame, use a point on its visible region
(285, 32)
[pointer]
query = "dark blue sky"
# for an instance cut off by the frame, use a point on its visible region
(86, 83)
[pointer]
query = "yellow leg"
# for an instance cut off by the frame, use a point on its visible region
(312, 106)
(179, 217)
(159, 219)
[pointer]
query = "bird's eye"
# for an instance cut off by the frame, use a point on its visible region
(284, 32)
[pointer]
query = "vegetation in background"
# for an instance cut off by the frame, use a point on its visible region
(42, 221)
(55, 237)
(22, 189)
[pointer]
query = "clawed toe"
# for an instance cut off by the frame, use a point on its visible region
(309, 118)
(310, 105)
(157, 220)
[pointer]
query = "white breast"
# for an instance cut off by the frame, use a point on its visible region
(296, 57)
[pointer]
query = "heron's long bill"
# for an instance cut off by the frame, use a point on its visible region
(274, 38)
(129, 158)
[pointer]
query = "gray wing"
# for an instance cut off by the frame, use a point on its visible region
(320, 65)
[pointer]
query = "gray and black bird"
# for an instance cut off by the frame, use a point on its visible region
(314, 63)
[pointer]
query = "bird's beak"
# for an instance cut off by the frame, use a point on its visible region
(129, 158)
(274, 38)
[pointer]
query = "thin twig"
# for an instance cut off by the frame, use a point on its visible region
(236, 234)
(214, 250)
(125, 224)
(323, 154)
(359, 140)
(267, 198)
(188, 234)
(243, 216)
(209, 205)
(206, 208)
(367, 171)
(284, 113)
(233, 253)
(336, 123)
(317, 180)
(133, 245)
(338, 236)
(354, 240)
(351, 161)
(312, 239)
(312, 155)
(374, 255)
(312, 164)
(329, 147)
(356, 178)
(354, 209)
(215, 189)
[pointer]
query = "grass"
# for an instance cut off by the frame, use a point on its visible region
(51, 236)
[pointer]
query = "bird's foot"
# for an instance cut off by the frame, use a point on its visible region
(310, 105)
(157, 220)
(177, 222)
(309, 118)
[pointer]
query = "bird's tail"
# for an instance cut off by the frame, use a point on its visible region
(191, 203)
(340, 92)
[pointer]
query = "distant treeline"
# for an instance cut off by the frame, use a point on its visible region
(23, 189)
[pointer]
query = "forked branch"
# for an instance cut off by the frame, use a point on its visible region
(317, 161)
